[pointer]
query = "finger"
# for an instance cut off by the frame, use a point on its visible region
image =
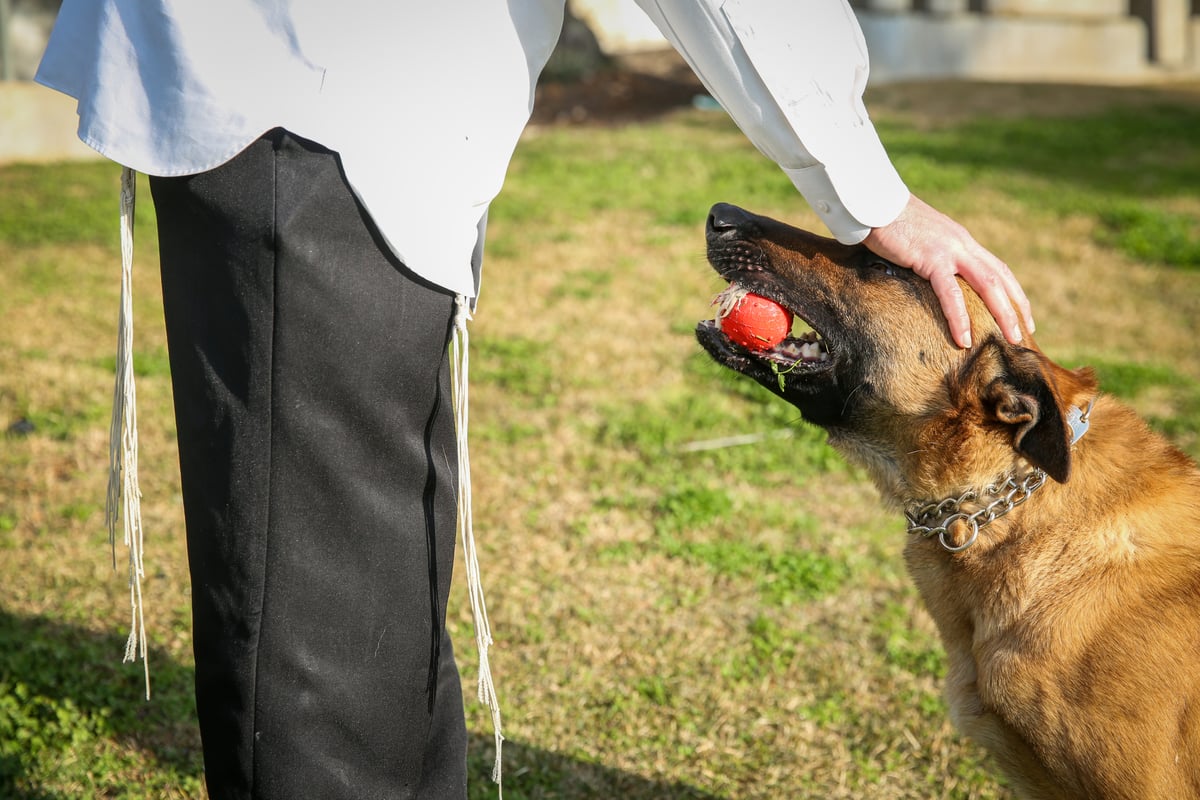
(994, 282)
(1009, 282)
(954, 308)
(1015, 293)
(1000, 304)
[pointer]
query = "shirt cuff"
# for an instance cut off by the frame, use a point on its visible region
(854, 193)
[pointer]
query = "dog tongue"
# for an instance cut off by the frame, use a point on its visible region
(751, 320)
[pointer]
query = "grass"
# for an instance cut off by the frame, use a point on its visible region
(1139, 187)
(674, 619)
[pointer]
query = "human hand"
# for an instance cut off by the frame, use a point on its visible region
(937, 248)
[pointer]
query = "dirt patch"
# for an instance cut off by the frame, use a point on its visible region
(633, 88)
(643, 86)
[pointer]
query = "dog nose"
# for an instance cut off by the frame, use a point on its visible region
(726, 218)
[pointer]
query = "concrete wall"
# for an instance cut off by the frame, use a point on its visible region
(1012, 48)
(1032, 40)
(26, 24)
(37, 124)
(1021, 40)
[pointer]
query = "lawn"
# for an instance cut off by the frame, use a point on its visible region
(674, 619)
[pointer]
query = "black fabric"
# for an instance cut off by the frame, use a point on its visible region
(316, 445)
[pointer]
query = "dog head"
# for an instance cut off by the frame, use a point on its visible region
(885, 378)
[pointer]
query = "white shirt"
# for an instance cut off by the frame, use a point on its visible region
(425, 102)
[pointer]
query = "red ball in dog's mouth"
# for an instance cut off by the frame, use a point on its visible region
(751, 320)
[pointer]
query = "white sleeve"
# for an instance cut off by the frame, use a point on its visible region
(791, 74)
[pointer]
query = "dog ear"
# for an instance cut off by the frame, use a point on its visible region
(1039, 431)
(1024, 398)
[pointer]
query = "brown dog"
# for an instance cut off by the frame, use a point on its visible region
(1054, 538)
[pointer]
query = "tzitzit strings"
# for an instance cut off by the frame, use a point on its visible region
(483, 631)
(124, 501)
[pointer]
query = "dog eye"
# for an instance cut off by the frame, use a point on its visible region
(886, 267)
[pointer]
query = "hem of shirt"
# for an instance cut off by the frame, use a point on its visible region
(114, 154)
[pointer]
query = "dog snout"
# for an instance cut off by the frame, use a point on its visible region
(727, 220)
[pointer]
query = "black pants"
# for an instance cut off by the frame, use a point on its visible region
(316, 445)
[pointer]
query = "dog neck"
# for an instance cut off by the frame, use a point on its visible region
(957, 529)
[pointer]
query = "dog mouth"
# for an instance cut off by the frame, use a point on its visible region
(803, 353)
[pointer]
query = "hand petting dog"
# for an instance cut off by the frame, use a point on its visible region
(937, 248)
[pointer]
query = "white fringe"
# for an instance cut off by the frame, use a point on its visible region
(483, 632)
(124, 495)
(728, 300)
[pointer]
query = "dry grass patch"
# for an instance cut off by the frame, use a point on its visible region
(671, 623)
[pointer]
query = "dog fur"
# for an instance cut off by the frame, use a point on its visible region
(1072, 623)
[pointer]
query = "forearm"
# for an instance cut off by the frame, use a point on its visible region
(791, 75)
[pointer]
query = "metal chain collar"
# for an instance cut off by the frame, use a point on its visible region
(1006, 497)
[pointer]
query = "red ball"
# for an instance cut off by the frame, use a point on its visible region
(756, 322)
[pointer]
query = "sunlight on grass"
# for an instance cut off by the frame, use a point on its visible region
(1091, 164)
(677, 615)
(59, 206)
(1153, 234)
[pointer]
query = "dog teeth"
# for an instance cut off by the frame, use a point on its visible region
(811, 351)
(808, 348)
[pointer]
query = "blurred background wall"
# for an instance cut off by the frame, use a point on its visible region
(1089, 41)
(1011, 40)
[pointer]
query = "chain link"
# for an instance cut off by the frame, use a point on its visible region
(1005, 497)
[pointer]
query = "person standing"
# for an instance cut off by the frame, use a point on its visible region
(321, 175)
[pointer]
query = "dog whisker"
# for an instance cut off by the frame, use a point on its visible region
(846, 404)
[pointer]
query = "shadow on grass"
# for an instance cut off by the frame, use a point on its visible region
(531, 773)
(66, 700)
(70, 712)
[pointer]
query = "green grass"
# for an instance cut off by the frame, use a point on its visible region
(781, 578)
(46, 206)
(676, 616)
(630, 169)
(1152, 235)
(1122, 166)
(516, 366)
(71, 717)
